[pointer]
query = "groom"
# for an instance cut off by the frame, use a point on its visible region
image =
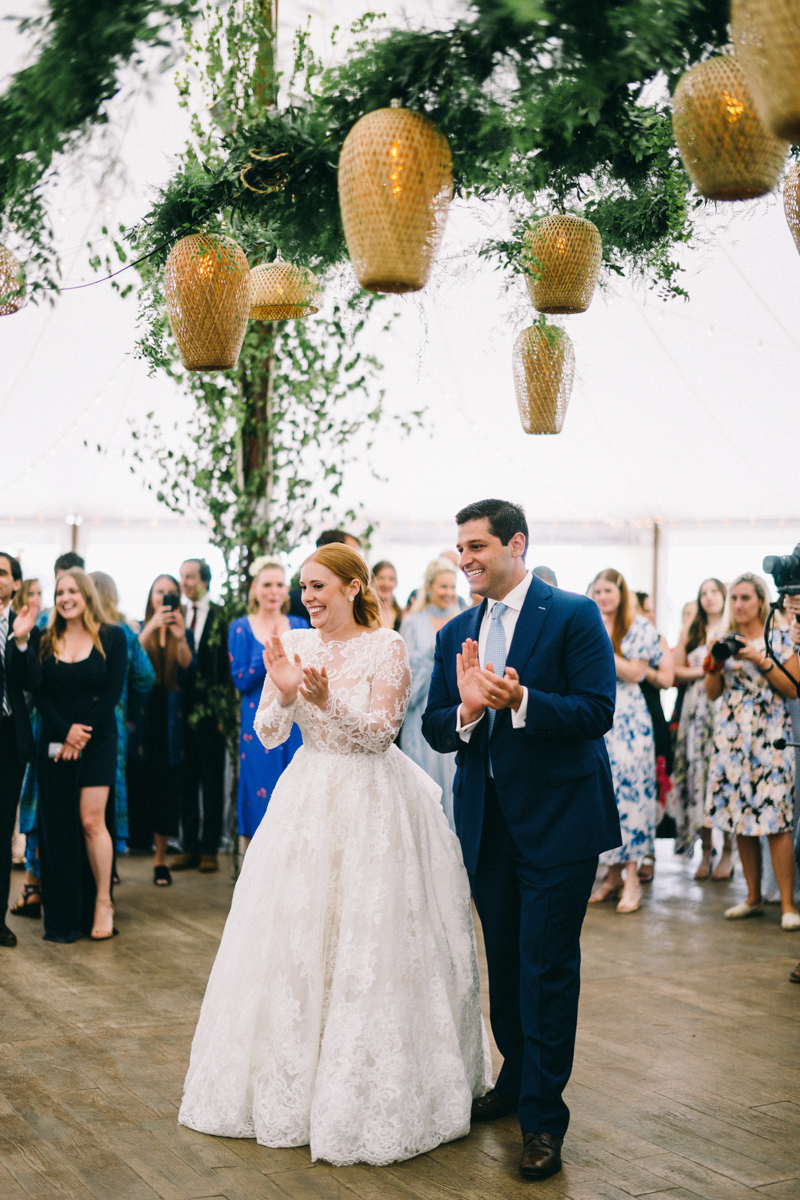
(523, 690)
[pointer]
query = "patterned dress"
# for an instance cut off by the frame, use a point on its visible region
(420, 637)
(631, 750)
(687, 800)
(259, 768)
(750, 783)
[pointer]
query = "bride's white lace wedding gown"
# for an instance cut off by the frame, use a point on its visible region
(343, 1008)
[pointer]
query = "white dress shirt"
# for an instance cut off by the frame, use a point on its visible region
(202, 612)
(514, 602)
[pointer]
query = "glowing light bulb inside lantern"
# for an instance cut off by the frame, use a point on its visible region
(561, 244)
(733, 106)
(395, 174)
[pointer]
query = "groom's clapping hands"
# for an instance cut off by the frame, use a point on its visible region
(505, 692)
(480, 688)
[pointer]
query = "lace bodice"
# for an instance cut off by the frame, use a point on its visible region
(370, 685)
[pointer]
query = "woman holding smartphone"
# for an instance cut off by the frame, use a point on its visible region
(83, 663)
(170, 648)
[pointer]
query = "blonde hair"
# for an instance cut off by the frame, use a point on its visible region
(435, 568)
(264, 564)
(92, 616)
(623, 617)
(108, 596)
(22, 594)
(350, 567)
(762, 592)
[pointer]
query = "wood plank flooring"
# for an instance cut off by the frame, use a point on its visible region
(686, 1081)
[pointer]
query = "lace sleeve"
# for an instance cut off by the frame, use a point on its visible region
(273, 722)
(376, 729)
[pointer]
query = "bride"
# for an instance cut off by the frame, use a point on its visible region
(343, 1009)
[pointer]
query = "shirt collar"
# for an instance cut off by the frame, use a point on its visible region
(515, 598)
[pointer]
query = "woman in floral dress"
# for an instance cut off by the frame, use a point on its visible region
(687, 801)
(750, 782)
(630, 743)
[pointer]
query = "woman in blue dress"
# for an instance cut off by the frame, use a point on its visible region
(259, 769)
(418, 630)
(630, 742)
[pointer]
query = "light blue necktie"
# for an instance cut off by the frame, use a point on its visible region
(495, 653)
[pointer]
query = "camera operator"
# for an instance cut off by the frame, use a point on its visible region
(750, 782)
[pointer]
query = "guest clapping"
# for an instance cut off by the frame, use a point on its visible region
(170, 650)
(260, 769)
(83, 664)
(696, 732)
(384, 581)
(419, 630)
(750, 782)
(630, 742)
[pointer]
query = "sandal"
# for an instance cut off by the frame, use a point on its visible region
(794, 977)
(162, 877)
(606, 891)
(25, 908)
(701, 874)
(647, 870)
(99, 934)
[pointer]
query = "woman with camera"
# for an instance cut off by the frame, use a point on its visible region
(170, 648)
(750, 782)
(630, 743)
(695, 732)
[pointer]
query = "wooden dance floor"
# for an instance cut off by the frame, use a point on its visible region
(686, 1082)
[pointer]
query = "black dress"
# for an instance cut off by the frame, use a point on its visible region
(83, 693)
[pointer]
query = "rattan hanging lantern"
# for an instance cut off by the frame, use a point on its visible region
(724, 144)
(395, 185)
(12, 283)
(283, 292)
(544, 367)
(766, 34)
(562, 257)
(207, 285)
(791, 202)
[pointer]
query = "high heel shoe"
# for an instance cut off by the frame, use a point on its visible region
(99, 934)
(722, 878)
(700, 874)
(606, 891)
(25, 909)
(627, 905)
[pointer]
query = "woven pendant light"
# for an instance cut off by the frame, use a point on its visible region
(283, 292)
(207, 285)
(725, 147)
(562, 257)
(791, 202)
(395, 185)
(12, 283)
(766, 34)
(544, 367)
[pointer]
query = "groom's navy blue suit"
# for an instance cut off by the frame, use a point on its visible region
(531, 835)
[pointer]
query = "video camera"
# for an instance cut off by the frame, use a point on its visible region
(785, 571)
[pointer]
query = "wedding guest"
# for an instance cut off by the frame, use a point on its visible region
(419, 630)
(64, 563)
(384, 581)
(259, 769)
(205, 742)
(170, 650)
(695, 733)
(750, 782)
(83, 664)
(657, 678)
(140, 677)
(18, 673)
(30, 593)
(630, 741)
(547, 574)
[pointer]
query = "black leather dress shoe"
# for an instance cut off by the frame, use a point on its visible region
(7, 936)
(541, 1155)
(492, 1106)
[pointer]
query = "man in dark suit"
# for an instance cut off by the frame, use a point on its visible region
(17, 675)
(523, 689)
(204, 741)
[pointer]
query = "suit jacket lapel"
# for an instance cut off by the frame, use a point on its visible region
(529, 623)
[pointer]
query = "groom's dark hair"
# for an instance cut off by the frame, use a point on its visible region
(505, 519)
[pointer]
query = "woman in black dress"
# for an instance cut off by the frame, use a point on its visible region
(83, 664)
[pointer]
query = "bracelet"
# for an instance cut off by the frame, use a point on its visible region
(766, 670)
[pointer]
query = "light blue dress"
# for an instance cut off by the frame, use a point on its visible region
(632, 752)
(420, 638)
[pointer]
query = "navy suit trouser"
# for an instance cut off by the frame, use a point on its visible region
(531, 919)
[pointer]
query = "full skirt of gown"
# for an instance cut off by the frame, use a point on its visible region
(343, 1009)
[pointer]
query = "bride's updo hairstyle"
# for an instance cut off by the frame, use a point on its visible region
(348, 566)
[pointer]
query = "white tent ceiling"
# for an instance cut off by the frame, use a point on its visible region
(681, 411)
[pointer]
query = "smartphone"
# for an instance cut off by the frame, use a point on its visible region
(55, 748)
(171, 601)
